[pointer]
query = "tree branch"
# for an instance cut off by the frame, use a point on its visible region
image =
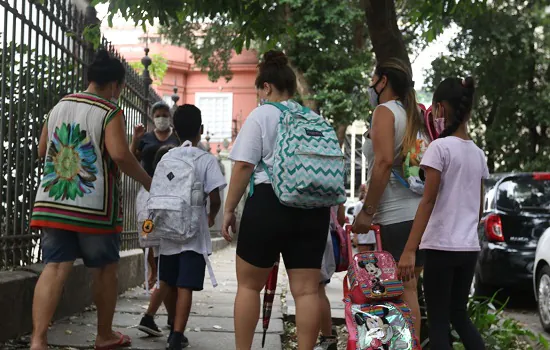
(304, 89)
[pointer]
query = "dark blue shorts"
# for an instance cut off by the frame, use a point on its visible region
(96, 250)
(184, 270)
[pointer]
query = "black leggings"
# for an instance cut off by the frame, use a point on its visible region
(447, 280)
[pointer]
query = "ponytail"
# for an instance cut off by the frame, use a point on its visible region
(399, 75)
(415, 123)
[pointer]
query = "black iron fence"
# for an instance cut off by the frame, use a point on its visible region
(43, 57)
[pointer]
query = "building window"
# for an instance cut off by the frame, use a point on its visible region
(217, 110)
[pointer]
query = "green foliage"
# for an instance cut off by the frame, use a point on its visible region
(435, 15)
(325, 42)
(324, 39)
(250, 15)
(499, 332)
(329, 47)
(506, 48)
(263, 20)
(157, 69)
(92, 35)
(211, 43)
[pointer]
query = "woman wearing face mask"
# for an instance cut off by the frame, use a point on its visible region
(144, 146)
(77, 205)
(396, 122)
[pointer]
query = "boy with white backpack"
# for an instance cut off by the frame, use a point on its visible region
(184, 179)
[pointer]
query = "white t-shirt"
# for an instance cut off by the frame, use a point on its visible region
(256, 140)
(208, 171)
(455, 217)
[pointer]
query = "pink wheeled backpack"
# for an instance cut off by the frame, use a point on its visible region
(372, 275)
(376, 316)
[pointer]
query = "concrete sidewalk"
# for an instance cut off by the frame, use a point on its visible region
(210, 325)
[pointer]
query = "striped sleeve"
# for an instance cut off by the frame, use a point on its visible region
(112, 115)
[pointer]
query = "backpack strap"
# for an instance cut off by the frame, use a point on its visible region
(400, 179)
(253, 177)
(279, 106)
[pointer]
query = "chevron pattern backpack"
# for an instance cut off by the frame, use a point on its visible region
(308, 166)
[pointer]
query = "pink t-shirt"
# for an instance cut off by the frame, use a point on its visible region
(455, 217)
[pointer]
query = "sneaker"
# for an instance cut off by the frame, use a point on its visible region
(327, 343)
(149, 327)
(174, 345)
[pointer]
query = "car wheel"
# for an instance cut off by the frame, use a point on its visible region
(480, 289)
(543, 297)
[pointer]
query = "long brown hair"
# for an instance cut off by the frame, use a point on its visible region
(399, 75)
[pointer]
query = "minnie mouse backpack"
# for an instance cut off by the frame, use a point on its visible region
(381, 326)
(372, 276)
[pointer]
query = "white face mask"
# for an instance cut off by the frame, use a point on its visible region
(263, 101)
(162, 123)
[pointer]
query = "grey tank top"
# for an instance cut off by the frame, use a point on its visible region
(398, 203)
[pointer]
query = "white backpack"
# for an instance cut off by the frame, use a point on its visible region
(176, 200)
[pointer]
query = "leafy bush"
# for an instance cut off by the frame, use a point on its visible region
(498, 331)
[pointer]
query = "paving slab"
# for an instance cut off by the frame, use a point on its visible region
(203, 309)
(204, 323)
(82, 337)
(210, 324)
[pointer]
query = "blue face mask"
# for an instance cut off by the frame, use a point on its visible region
(263, 101)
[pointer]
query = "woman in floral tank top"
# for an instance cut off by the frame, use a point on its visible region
(78, 202)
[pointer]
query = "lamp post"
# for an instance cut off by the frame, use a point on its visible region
(147, 81)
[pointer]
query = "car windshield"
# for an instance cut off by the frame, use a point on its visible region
(524, 194)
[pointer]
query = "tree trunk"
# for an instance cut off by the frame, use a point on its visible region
(384, 33)
(304, 89)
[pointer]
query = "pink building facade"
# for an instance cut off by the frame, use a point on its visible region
(224, 105)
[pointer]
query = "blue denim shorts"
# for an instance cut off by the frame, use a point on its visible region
(184, 270)
(96, 250)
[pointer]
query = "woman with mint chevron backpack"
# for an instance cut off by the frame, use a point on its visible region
(396, 122)
(291, 158)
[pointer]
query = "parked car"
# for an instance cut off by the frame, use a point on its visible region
(516, 214)
(541, 279)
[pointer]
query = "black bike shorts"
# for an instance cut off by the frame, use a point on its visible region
(269, 229)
